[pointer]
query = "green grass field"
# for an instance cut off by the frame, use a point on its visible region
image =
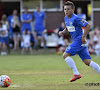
(46, 72)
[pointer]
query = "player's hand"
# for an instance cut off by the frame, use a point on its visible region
(61, 33)
(83, 40)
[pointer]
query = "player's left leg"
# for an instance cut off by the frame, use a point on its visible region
(92, 64)
(85, 56)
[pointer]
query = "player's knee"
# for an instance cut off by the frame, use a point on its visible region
(65, 56)
(87, 62)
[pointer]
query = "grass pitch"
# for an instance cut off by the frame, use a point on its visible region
(47, 72)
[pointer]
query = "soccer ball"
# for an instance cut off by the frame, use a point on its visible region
(4, 81)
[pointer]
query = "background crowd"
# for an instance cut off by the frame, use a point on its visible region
(20, 33)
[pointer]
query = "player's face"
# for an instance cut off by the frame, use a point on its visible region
(68, 10)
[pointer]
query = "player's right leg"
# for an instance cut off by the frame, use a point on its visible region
(92, 64)
(72, 65)
(85, 56)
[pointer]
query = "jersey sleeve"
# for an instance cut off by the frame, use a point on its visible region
(81, 22)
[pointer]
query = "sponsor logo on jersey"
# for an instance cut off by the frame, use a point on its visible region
(71, 28)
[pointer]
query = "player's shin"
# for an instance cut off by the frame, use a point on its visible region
(72, 65)
(95, 66)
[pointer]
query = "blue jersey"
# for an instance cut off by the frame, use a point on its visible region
(39, 20)
(26, 17)
(74, 25)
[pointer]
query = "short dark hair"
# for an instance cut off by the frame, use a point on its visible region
(70, 3)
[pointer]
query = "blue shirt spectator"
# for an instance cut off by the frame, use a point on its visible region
(39, 20)
(10, 20)
(80, 14)
(26, 19)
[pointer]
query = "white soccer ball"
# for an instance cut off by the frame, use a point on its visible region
(5, 81)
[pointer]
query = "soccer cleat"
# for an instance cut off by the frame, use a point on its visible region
(75, 77)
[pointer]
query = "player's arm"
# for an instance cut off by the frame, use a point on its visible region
(26, 21)
(86, 30)
(83, 23)
(30, 19)
(61, 33)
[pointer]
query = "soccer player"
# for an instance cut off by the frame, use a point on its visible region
(73, 25)
(39, 28)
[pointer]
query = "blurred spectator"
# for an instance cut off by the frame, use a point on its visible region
(39, 27)
(16, 31)
(80, 14)
(63, 46)
(4, 21)
(97, 48)
(4, 38)
(26, 42)
(62, 42)
(10, 20)
(26, 19)
(60, 28)
(90, 48)
(95, 40)
(95, 35)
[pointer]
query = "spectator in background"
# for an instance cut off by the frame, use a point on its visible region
(96, 47)
(4, 38)
(63, 41)
(26, 19)
(95, 40)
(26, 42)
(16, 31)
(39, 27)
(4, 21)
(80, 14)
(10, 20)
(95, 35)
